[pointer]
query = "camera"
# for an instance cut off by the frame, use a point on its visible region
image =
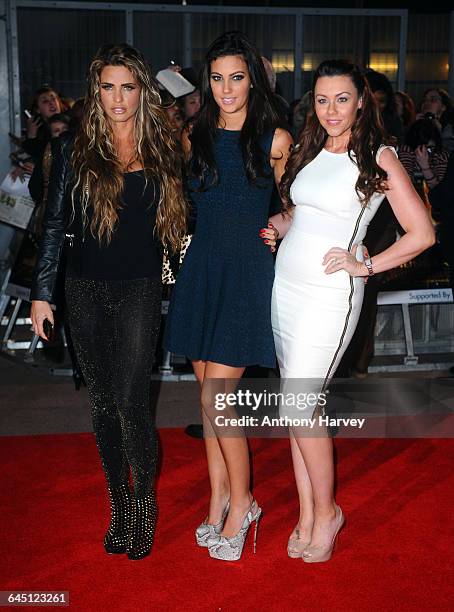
(430, 116)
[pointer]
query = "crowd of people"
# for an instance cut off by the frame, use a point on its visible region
(116, 178)
(424, 132)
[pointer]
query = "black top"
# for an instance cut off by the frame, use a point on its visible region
(133, 251)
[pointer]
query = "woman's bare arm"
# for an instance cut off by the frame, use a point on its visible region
(412, 216)
(410, 213)
(280, 151)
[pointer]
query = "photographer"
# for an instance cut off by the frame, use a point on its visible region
(437, 105)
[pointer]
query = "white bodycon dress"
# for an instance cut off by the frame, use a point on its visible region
(315, 314)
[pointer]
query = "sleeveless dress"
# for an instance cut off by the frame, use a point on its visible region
(315, 314)
(220, 309)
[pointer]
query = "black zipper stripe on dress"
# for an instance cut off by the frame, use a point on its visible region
(350, 299)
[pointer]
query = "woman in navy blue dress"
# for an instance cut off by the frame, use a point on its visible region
(220, 315)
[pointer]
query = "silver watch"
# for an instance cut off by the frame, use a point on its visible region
(368, 264)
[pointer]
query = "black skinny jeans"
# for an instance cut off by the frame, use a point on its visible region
(114, 326)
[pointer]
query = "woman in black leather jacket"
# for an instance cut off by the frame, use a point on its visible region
(114, 198)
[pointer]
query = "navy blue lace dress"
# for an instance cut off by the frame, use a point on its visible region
(220, 308)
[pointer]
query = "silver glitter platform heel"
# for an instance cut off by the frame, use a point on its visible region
(143, 526)
(116, 538)
(230, 549)
(206, 530)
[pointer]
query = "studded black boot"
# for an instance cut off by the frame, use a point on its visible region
(143, 525)
(116, 538)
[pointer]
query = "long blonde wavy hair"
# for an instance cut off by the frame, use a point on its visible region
(98, 171)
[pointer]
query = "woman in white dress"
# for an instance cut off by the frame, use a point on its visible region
(335, 180)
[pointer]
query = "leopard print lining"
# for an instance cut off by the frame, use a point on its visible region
(168, 277)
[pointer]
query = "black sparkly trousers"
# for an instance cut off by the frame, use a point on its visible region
(114, 326)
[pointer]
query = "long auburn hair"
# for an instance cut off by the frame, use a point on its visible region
(367, 135)
(262, 115)
(98, 171)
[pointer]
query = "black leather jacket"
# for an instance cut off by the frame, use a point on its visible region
(59, 228)
(63, 229)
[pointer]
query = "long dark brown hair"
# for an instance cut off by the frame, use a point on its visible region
(98, 171)
(262, 115)
(367, 135)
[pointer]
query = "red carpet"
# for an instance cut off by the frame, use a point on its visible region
(394, 554)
